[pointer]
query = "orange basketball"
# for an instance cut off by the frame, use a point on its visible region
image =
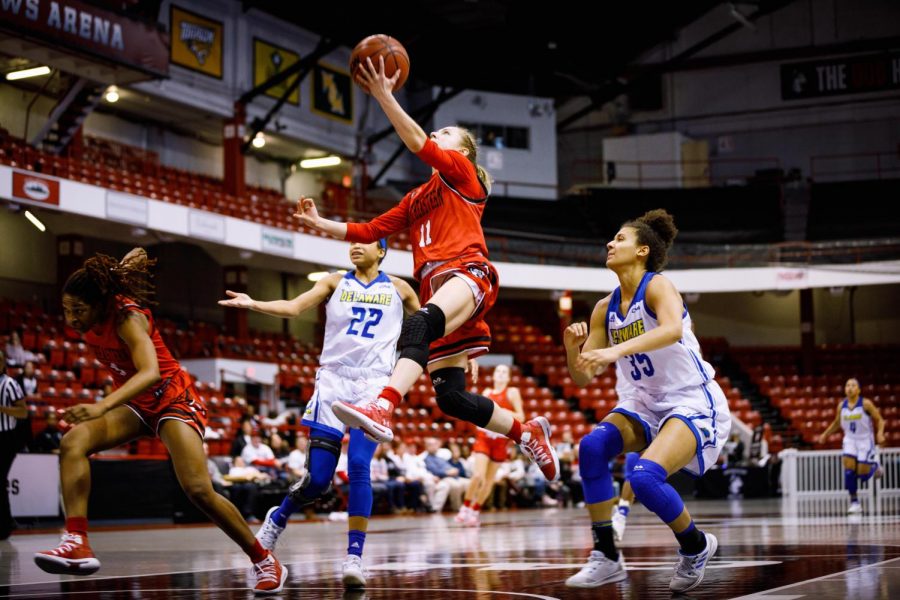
(395, 57)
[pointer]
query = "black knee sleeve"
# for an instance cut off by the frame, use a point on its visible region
(418, 331)
(315, 484)
(453, 399)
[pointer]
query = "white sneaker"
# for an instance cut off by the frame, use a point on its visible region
(269, 532)
(598, 571)
(854, 508)
(618, 525)
(689, 570)
(472, 519)
(353, 574)
(462, 515)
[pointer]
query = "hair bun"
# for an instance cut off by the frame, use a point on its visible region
(662, 223)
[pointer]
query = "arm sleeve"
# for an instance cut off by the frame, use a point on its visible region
(449, 163)
(393, 221)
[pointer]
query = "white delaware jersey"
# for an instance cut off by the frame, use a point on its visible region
(659, 371)
(856, 421)
(362, 324)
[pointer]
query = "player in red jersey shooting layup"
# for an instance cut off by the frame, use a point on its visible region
(105, 301)
(458, 283)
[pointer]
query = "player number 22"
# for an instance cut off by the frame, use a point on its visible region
(425, 234)
(359, 315)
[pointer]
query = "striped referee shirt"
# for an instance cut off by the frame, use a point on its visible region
(10, 393)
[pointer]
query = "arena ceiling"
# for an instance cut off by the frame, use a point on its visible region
(556, 48)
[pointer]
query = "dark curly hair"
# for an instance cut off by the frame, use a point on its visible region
(103, 277)
(656, 229)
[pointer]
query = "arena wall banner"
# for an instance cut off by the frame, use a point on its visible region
(206, 225)
(126, 207)
(33, 484)
(332, 93)
(270, 60)
(88, 30)
(838, 76)
(277, 241)
(196, 42)
(28, 186)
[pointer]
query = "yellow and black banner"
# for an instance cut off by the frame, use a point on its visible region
(332, 93)
(196, 42)
(270, 60)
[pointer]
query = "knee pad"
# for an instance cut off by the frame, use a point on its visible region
(454, 401)
(630, 460)
(648, 480)
(850, 481)
(595, 451)
(419, 330)
(597, 448)
(319, 471)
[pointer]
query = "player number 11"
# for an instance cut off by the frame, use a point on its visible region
(425, 234)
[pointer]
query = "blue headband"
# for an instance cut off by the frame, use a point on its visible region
(382, 243)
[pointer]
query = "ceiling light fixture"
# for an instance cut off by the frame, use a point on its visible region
(26, 73)
(259, 140)
(318, 163)
(112, 94)
(35, 221)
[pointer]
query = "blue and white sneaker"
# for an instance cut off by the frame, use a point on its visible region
(690, 569)
(269, 532)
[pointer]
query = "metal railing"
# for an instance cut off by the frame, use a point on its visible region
(860, 166)
(820, 474)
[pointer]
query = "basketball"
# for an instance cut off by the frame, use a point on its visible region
(395, 57)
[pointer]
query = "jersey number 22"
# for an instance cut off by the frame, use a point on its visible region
(359, 315)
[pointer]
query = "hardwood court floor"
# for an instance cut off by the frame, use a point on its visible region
(767, 550)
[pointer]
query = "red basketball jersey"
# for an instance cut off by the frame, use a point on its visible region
(443, 215)
(500, 399)
(112, 351)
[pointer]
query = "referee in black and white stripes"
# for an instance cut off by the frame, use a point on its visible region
(12, 408)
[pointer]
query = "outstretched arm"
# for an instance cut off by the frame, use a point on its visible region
(285, 308)
(382, 88)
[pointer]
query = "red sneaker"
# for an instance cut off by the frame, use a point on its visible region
(373, 417)
(73, 556)
(268, 576)
(536, 446)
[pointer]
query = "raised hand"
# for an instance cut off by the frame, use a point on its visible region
(373, 80)
(307, 213)
(237, 300)
(575, 335)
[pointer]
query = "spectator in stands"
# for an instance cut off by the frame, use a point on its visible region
(106, 301)
(414, 471)
(668, 404)
(296, 461)
(49, 439)
(281, 451)
(456, 459)
(242, 439)
(16, 354)
(455, 484)
(12, 409)
(241, 492)
(27, 379)
(863, 429)
(414, 492)
(382, 481)
(258, 454)
(735, 450)
(458, 283)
